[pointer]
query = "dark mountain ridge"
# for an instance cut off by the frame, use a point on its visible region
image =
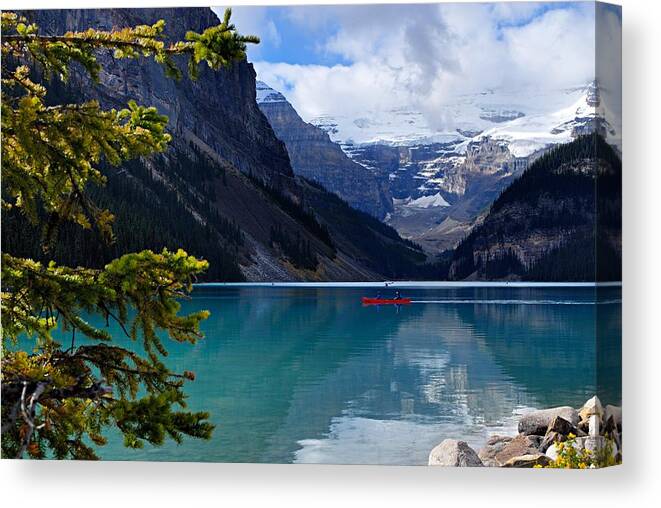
(224, 189)
(559, 221)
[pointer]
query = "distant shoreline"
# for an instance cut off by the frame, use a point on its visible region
(413, 284)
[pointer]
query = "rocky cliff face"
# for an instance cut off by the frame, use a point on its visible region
(226, 179)
(461, 179)
(217, 112)
(314, 156)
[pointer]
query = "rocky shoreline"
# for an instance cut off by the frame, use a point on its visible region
(593, 431)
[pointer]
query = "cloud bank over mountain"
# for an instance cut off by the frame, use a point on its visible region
(350, 59)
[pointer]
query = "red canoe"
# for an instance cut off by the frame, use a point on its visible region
(385, 301)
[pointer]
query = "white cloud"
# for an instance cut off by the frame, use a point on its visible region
(424, 56)
(554, 50)
(317, 89)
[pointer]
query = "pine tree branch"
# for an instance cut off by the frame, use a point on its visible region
(75, 39)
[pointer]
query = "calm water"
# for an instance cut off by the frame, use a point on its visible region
(310, 375)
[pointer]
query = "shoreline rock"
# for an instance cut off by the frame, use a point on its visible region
(536, 422)
(454, 453)
(530, 460)
(494, 445)
(520, 446)
(589, 428)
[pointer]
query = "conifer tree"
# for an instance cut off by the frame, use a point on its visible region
(57, 398)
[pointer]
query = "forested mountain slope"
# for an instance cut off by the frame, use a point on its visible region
(560, 221)
(224, 190)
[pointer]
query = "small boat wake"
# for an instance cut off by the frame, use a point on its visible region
(520, 302)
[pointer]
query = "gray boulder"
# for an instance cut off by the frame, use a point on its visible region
(455, 454)
(520, 445)
(562, 426)
(610, 426)
(536, 440)
(530, 460)
(614, 412)
(536, 422)
(494, 445)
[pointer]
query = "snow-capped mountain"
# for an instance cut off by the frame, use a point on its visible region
(483, 142)
(453, 165)
(266, 94)
(530, 133)
(527, 119)
(397, 127)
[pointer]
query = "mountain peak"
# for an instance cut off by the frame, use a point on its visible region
(314, 156)
(266, 94)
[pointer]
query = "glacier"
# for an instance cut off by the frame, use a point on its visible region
(527, 119)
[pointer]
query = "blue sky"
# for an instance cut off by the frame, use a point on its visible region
(285, 38)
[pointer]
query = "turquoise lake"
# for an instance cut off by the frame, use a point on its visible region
(308, 374)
